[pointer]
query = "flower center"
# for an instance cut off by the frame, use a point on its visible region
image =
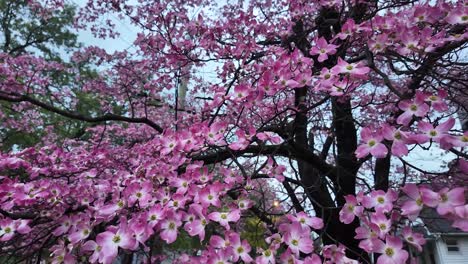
(413, 107)
(380, 200)
(419, 202)
(295, 242)
(433, 133)
(444, 198)
(240, 250)
(349, 67)
(172, 225)
(383, 226)
(389, 252)
(397, 135)
(372, 143)
(116, 239)
(223, 216)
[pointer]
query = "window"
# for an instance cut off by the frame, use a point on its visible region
(452, 245)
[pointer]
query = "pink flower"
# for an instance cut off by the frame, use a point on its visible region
(437, 101)
(110, 241)
(461, 217)
(411, 108)
(90, 245)
(437, 134)
(372, 144)
(141, 193)
(141, 230)
(339, 88)
(65, 224)
(220, 257)
(215, 134)
(111, 208)
(381, 201)
(350, 209)
(458, 141)
(223, 218)
(458, 16)
(315, 259)
(197, 225)
(326, 79)
(154, 215)
(391, 250)
(415, 239)
(240, 249)
(369, 233)
(169, 144)
(378, 44)
(335, 254)
(323, 49)
(241, 92)
(351, 69)
(242, 141)
(80, 233)
(449, 199)
(349, 27)
(289, 257)
(429, 197)
(297, 240)
(267, 256)
(210, 195)
(413, 207)
(8, 228)
(270, 136)
(384, 224)
(169, 227)
(219, 242)
(306, 221)
(400, 140)
(61, 254)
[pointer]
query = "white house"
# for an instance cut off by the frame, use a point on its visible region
(445, 244)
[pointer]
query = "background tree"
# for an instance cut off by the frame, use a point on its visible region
(29, 28)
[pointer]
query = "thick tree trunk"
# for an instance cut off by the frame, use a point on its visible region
(326, 204)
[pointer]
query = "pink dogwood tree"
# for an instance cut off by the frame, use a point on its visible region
(306, 129)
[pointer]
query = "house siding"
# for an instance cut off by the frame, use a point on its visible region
(443, 256)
